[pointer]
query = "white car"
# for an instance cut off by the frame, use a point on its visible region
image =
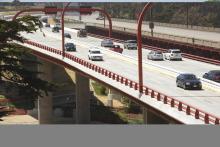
(95, 54)
(155, 55)
(173, 54)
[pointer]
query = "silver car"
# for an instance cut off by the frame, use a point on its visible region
(107, 43)
(155, 55)
(130, 44)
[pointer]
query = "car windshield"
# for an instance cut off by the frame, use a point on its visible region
(158, 53)
(96, 52)
(190, 77)
(70, 44)
(132, 41)
(108, 41)
(176, 52)
(83, 31)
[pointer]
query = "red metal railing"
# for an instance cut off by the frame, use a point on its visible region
(181, 106)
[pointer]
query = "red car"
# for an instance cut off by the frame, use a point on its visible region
(116, 48)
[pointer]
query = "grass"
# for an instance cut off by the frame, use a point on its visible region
(99, 89)
(130, 118)
(2, 97)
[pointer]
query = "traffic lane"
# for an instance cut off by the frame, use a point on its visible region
(204, 35)
(205, 99)
(187, 65)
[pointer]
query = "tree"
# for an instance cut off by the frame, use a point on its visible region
(13, 59)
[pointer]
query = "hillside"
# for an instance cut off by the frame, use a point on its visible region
(202, 14)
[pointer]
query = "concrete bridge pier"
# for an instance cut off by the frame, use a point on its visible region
(152, 118)
(112, 94)
(45, 103)
(82, 99)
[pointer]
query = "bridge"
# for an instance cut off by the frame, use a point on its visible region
(160, 96)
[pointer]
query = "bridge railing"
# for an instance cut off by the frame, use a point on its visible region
(181, 106)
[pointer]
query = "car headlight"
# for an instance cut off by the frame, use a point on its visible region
(187, 83)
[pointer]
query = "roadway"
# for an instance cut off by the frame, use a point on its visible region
(206, 99)
(202, 35)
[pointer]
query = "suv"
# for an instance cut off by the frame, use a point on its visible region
(188, 81)
(130, 44)
(107, 43)
(82, 33)
(95, 54)
(70, 47)
(173, 54)
(213, 75)
(55, 29)
(67, 35)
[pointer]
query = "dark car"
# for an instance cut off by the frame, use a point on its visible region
(82, 33)
(55, 29)
(70, 47)
(213, 75)
(116, 48)
(188, 81)
(106, 43)
(67, 35)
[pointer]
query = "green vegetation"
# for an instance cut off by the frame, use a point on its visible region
(99, 89)
(201, 14)
(16, 64)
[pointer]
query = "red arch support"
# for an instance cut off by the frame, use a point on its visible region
(139, 43)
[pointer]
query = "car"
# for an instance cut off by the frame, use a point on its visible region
(70, 47)
(130, 44)
(100, 18)
(173, 54)
(107, 43)
(95, 54)
(116, 48)
(47, 25)
(213, 75)
(188, 81)
(55, 29)
(67, 35)
(82, 33)
(155, 55)
(58, 25)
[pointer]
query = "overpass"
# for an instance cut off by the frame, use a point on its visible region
(120, 73)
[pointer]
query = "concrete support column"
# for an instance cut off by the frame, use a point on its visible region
(110, 98)
(151, 118)
(45, 103)
(82, 100)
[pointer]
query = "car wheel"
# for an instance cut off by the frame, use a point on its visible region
(184, 86)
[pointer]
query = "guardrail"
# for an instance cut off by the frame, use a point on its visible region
(190, 40)
(181, 106)
(182, 26)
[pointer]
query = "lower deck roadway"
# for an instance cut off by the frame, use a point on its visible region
(206, 100)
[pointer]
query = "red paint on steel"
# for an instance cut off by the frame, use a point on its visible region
(206, 117)
(62, 21)
(139, 43)
(69, 9)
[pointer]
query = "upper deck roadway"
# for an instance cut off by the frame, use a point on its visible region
(202, 35)
(156, 78)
